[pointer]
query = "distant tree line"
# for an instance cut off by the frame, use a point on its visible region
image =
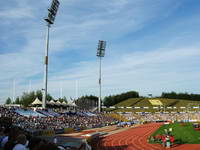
(88, 102)
(114, 99)
(186, 96)
(28, 97)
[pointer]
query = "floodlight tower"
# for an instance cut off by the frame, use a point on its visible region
(49, 20)
(100, 53)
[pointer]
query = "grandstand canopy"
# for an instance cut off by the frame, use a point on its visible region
(36, 102)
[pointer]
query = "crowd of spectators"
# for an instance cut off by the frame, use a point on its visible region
(81, 120)
(153, 117)
(65, 120)
(13, 138)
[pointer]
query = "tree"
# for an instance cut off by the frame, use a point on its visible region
(186, 96)
(114, 99)
(39, 94)
(17, 101)
(64, 99)
(87, 102)
(8, 101)
(27, 98)
(49, 97)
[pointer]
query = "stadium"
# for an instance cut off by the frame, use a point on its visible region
(133, 123)
(57, 93)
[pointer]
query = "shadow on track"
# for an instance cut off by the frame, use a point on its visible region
(101, 145)
(121, 147)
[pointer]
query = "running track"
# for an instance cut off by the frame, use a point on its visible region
(136, 139)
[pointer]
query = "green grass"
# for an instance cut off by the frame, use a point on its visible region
(129, 102)
(182, 134)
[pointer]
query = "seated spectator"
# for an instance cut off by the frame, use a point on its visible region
(12, 138)
(47, 146)
(33, 143)
(21, 141)
(5, 137)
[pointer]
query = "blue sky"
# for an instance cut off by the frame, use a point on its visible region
(152, 46)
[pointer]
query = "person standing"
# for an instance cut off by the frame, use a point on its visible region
(167, 142)
(163, 140)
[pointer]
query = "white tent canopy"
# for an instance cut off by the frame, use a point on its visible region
(52, 102)
(58, 102)
(64, 103)
(36, 102)
(72, 104)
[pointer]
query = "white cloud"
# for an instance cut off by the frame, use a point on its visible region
(20, 10)
(148, 72)
(17, 13)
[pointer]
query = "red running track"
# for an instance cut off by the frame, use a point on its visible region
(136, 139)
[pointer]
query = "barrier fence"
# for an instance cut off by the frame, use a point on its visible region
(147, 107)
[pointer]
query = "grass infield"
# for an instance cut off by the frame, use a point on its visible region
(183, 133)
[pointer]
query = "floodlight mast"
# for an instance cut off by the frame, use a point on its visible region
(49, 20)
(100, 53)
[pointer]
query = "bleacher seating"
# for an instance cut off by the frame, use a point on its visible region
(28, 113)
(45, 113)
